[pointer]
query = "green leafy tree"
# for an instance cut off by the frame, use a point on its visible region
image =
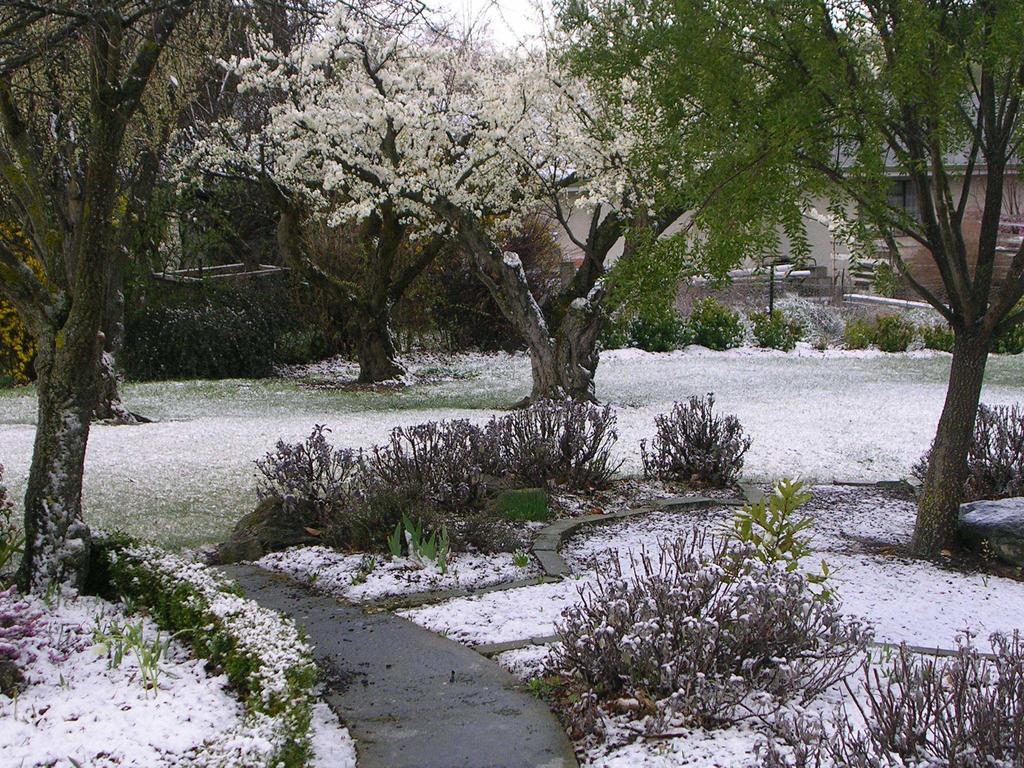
(834, 98)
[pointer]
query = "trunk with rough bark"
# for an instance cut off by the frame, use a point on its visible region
(109, 407)
(375, 346)
(57, 540)
(939, 504)
(563, 359)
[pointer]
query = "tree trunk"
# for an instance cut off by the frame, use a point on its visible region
(109, 407)
(576, 345)
(562, 362)
(57, 540)
(375, 346)
(939, 506)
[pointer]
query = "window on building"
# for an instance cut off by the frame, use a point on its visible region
(903, 195)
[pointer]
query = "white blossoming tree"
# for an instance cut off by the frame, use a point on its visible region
(415, 136)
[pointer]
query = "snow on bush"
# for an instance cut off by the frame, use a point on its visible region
(443, 461)
(10, 535)
(309, 474)
(703, 632)
(995, 459)
(565, 442)
(694, 445)
(263, 654)
(965, 711)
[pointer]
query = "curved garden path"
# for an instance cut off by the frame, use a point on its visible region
(411, 698)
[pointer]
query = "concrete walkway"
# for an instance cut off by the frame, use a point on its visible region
(410, 698)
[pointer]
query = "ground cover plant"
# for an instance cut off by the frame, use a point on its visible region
(695, 445)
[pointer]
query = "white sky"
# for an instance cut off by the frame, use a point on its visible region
(509, 21)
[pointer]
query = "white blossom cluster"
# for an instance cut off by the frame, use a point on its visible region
(368, 115)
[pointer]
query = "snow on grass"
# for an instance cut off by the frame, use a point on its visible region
(911, 601)
(333, 747)
(362, 578)
(497, 617)
(526, 663)
(75, 707)
(186, 479)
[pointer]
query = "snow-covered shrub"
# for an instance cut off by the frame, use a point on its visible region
(715, 326)
(442, 460)
(706, 632)
(263, 654)
(937, 336)
(11, 539)
(995, 459)
(19, 621)
(773, 331)
(695, 445)
(965, 710)
(565, 442)
(307, 476)
(821, 321)
(893, 333)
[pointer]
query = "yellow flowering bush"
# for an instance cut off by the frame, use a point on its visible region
(17, 349)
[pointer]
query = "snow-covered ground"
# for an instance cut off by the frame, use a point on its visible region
(185, 479)
(362, 578)
(906, 600)
(78, 706)
(855, 531)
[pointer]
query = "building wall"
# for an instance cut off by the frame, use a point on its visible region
(826, 248)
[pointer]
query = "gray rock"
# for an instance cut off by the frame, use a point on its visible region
(268, 528)
(998, 523)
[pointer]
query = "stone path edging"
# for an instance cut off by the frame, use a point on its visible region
(409, 697)
(548, 541)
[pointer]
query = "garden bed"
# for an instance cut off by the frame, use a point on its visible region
(862, 532)
(80, 702)
(367, 578)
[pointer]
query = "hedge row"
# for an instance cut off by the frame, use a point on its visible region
(263, 655)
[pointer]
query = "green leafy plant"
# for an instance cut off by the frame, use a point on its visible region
(1011, 342)
(893, 333)
(116, 640)
(859, 334)
(367, 565)
(714, 325)
(938, 337)
(773, 331)
(886, 281)
(520, 558)
(421, 549)
(775, 531)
